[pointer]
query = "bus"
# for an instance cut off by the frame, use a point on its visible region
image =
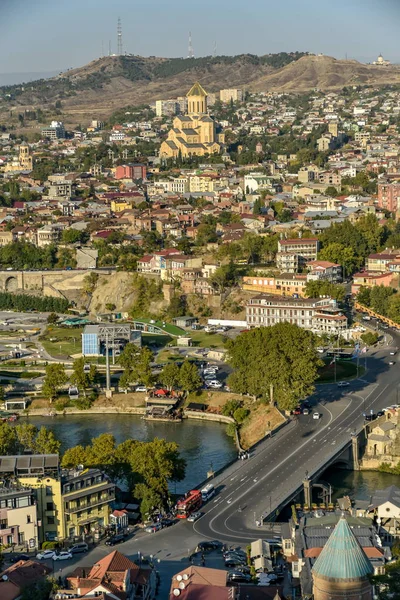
(189, 504)
(207, 492)
(341, 354)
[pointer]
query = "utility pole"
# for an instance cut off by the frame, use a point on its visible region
(109, 47)
(190, 47)
(107, 364)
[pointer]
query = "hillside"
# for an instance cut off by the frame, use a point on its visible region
(109, 83)
(325, 73)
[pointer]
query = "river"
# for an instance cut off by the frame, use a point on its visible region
(202, 443)
(359, 485)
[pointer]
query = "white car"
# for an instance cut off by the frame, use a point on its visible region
(140, 388)
(215, 384)
(343, 384)
(46, 555)
(316, 416)
(63, 556)
(194, 516)
(392, 352)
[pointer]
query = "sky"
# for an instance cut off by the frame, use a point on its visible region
(52, 35)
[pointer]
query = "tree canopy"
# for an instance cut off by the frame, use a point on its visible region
(283, 356)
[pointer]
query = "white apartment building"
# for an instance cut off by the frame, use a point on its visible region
(178, 185)
(231, 94)
(319, 315)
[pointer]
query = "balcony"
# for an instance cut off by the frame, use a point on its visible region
(105, 499)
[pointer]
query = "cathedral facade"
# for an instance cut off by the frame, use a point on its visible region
(192, 134)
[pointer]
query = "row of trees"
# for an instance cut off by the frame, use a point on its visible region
(26, 437)
(23, 303)
(56, 378)
(383, 300)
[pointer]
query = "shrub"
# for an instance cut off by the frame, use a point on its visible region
(49, 545)
(229, 407)
(240, 415)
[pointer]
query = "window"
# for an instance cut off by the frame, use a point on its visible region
(28, 519)
(49, 490)
(49, 506)
(50, 520)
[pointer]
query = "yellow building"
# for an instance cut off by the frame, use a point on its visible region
(69, 503)
(120, 205)
(192, 134)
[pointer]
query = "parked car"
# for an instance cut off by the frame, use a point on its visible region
(306, 411)
(391, 363)
(46, 555)
(140, 388)
(214, 384)
(153, 528)
(167, 522)
(297, 410)
(78, 548)
(239, 577)
(63, 556)
(316, 416)
(234, 562)
(343, 384)
(194, 516)
(209, 545)
(392, 352)
(17, 557)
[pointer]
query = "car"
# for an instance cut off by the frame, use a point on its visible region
(297, 410)
(239, 577)
(214, 383)
(167, 522)
(306, 411)
(343, 384)
(63, 556)
(115, 539)
(370, 417)
(316, 416)
(78, 548)
(17, 557)
(234, 562)
(153, 528)
(307, 404)
(140, 388)
(391, 363)
(209, 545)
(392, 352)
(380, 413)
(46, 555)
(194, 516)
(239, 557)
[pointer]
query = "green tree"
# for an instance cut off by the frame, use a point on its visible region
(26, 434)
(282, 358)
(230, 406)
(223, 277)
(46, 442)
(364, 296)
(170, 375)
(342, 255)
(55, 378)
(80, 377)
(52, 319)
(189, 378)
(8, 439)
(136, 363)
(315, 289)
(240, 415)
(150, 500)
(370, 338)
(73, 457)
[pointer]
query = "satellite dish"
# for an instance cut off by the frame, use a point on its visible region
(185, 576)
(182, 585)
(5, 577)
(179, 577)
(176, 592)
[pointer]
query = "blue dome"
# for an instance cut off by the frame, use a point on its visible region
(342, 556)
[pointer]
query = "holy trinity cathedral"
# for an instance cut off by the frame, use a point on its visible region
(194, 133)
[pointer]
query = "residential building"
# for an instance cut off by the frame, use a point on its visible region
(41, 473)
(320, 315)
(293, 254)
(21, 575)
(6, 237)
(48, 234)
(371, 279)
(18, 515)
(56, 131)
(115, 576)
(324, 270)
(97, 338)
(193, 133)
(201, 582)
(285, 284)
(384, 507)
(231, 95)
(131, 171)
(389, 196)
(86, 496)
(380, 261)
(308, 174)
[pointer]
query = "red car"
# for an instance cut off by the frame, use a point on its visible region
(297, 410)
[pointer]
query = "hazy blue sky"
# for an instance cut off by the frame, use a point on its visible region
(46, 35)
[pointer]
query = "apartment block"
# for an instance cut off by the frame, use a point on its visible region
(380, 261)
(18, 515)
(389, 196)
(231, 95)
(293, 254)
(320, 315)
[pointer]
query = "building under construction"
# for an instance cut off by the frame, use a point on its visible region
(96, 339)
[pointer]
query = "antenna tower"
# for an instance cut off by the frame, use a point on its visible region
(215, 49)
(119, 37)
(190, 47)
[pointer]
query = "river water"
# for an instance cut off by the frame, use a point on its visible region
(203, 444)
(359, 485)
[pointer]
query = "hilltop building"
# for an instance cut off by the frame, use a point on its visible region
(24, 161)
(194, 133)
(381, 62)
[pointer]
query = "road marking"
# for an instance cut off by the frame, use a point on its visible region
(229, 501)
(243, 478)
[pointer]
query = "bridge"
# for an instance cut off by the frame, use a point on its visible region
(48, 282)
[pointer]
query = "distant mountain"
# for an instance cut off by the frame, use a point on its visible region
(18, 78)
(113, 82)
